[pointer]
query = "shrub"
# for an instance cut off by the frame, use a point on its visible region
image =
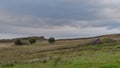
(31, 41)
(51, 40)
(94, 42)
(18, 42)
(8, 65)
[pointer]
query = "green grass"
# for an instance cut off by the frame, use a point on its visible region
(92, 56)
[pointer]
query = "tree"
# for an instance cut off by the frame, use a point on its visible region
(51, 40)
(31, 41)
(18, 42)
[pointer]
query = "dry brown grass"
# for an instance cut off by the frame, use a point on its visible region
(12, 53)
(5, 45)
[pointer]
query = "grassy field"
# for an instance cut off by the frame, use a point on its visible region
(62, 54)
(97, 56)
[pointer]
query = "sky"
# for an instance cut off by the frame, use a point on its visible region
(59, 18)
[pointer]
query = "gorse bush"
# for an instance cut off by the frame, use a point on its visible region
(51, 40)
(31, 41)
(18, 42)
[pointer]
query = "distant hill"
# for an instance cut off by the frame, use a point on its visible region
(35, 37)
(41, 38)
(113, 36)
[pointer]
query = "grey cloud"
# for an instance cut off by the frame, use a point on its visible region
(36, 22)
(27, 17)
(65, 9)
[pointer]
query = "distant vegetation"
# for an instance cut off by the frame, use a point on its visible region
(32, 40)
(18, 42)
(51, 40)
(108, 40)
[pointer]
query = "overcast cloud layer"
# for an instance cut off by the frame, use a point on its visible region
(59, 18)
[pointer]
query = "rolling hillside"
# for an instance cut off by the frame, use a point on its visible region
(72, 52)
(41, 38)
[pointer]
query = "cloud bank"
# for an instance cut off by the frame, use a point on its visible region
(60, 19)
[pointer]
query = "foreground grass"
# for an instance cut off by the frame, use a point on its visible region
(92, 56)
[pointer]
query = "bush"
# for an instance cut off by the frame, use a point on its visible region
(51, 40)
(31, 41)
(18, 42)
(94, 42)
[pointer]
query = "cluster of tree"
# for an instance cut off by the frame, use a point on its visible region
(32, 41)
(51, 40)
(20, 42)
